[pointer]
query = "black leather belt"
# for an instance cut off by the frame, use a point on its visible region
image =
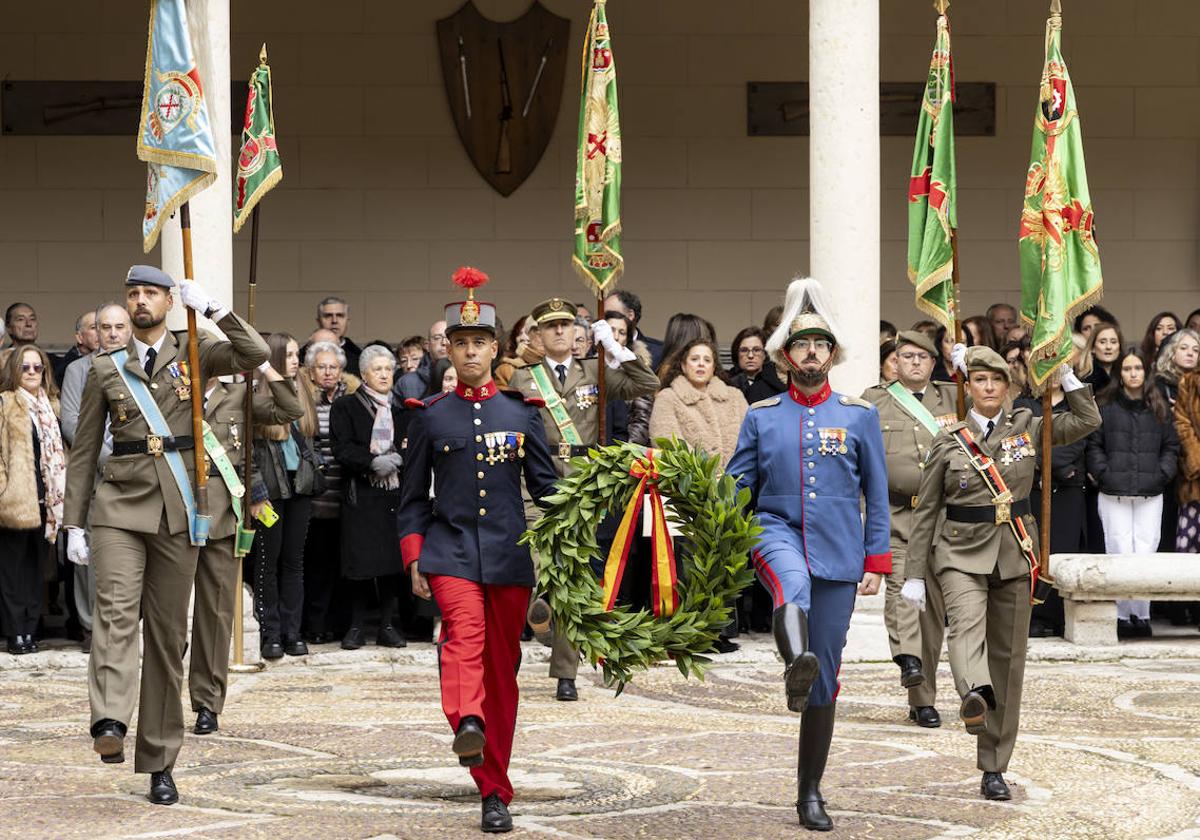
(902, 499)
(152, 445)
(567, 450)
(985, 513)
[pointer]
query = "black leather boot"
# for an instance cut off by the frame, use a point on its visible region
(816, 733)
(790, 626)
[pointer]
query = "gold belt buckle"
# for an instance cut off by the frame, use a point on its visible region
(154, 445)
(564, 450)
(1003, 513)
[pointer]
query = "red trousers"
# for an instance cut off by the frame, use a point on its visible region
(479, 654)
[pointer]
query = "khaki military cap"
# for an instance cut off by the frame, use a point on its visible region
(985, 358)
(555, 309)
(917, 339)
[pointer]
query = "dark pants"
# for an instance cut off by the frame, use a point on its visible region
(393, 593)
(322, 571)
(279, 569)
(21, 580)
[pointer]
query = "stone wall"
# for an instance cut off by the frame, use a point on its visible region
(379, 201)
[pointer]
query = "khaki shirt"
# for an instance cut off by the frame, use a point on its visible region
(135, 490)
(949, 479)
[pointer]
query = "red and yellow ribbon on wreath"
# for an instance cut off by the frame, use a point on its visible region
(665, 597)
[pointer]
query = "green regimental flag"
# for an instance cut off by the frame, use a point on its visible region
(933, 189)
(597, 255)
(259, 167)
(1060, 262)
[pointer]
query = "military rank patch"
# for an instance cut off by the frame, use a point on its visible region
(833, 441)
(504, 446)
(1016, 447)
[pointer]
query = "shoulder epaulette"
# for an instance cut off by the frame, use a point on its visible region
(413, 403)
(846, 399)
(955, 426)
(517, 394)
(769, 401)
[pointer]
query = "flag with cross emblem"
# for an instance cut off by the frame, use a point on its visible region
(175, 134)
(933, 189)
(259, 166)
(1060, 260)
(597, 255)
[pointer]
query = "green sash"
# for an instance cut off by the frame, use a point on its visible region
(216, 453)
(555, 405)
(914, 407)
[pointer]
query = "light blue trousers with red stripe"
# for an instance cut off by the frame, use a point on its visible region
(827, 603)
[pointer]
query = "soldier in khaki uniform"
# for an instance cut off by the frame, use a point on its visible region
(572, 420)
(983, 570)
(140, 530)
(216, 569)
(911, 412)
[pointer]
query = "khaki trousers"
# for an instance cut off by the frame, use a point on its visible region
(989, 634)
(912, 632)
(564, 657)
(212, 625)
(153, 573)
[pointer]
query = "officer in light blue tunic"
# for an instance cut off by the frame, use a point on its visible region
(809, 458)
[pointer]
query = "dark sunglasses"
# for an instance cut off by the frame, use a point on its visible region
(36, 367)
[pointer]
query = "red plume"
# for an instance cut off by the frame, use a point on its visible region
(469, 278)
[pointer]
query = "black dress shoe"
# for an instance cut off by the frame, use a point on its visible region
(16, 645)
(1141, 627)
(389, 636)
(271, 648)
(724, 645)
(468, 742)
(496, 819)
(1041, 630)
(162, 789)
(974, 713)
(294, 646)
(31, 645)
(910, 670)
(566, 690)
(108, 740)
(925, 716)
(206, 722)
(354, 639)
(1125, 629)
(993, 787)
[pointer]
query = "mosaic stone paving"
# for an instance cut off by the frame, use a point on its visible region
(360, 750)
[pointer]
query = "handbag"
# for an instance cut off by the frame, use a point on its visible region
(310, 474)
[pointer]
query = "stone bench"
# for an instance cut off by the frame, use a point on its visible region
(1090, 584)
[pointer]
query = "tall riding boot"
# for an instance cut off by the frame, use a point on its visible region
(816, 733)
(790, 626)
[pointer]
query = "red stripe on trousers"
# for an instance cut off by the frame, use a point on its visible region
(767, 575)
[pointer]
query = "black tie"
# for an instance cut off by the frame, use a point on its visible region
(920, 395)
(151, 354)
(561, 370)
(988, 433)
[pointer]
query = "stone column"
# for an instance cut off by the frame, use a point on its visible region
(844, 176)
(212, 209)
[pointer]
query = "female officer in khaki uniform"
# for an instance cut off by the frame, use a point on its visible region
(984, 553)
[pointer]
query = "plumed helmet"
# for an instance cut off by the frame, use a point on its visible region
(805, 312)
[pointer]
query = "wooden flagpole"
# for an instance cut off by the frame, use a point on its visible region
(602, 396)
(959, 376)
(193, 353)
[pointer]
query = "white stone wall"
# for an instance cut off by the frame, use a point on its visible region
(379, 201)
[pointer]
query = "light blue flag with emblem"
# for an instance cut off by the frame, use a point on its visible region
(175, 136)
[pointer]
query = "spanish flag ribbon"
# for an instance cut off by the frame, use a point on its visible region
(665, 599)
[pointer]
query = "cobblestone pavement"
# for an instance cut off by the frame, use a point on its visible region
(360, 750)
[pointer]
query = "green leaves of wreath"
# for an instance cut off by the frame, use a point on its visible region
(718, 536)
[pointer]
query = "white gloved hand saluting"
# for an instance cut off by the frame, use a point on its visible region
(77, 547)
(614, 354)
(913, 592)
(1069, 381)
(958, 358)
(195, 297)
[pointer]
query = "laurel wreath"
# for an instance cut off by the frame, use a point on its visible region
(718, 536)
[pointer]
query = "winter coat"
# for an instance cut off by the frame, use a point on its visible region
(329, 504)
(19, 467)
(1187, 426)
(1133, 453)
(708, 419)
(767, 384)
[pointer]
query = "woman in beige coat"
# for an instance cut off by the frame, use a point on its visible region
(695, 404)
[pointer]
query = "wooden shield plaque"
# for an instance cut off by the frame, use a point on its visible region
(504, 83)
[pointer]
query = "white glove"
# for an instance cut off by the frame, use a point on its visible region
(913, 591)
(77, 547)
(958, 357)
(194, 297)
(265, 366)
(1069, 381)
(614, 354)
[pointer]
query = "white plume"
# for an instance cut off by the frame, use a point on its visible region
(803, 294)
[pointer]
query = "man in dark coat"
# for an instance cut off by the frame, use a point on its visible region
(475, 443)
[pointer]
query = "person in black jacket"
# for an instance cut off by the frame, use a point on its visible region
(1133, 457)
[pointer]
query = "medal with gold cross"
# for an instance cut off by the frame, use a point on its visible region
(833, 441)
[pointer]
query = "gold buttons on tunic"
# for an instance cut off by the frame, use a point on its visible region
(446, 448)
(478, 406)
(478, 456)
(478, 422)
(479, 475)
(479, 438)
(483, 511)
(482, 493)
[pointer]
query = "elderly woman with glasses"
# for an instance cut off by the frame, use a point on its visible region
(366, 431)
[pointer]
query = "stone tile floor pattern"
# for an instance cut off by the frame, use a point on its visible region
(360, 750)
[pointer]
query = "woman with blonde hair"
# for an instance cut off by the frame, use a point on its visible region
(33, 481)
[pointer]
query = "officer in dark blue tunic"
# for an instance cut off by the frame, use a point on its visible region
(475, 444)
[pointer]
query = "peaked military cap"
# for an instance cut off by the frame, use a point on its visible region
(555, 309)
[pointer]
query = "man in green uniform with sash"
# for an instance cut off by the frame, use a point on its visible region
(571, 390)
(229, 537)
(912, 410)
(145, 535)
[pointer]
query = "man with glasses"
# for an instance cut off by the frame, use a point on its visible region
(912, 410)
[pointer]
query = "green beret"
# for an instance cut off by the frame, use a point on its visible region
(985, 358)
(917, 339)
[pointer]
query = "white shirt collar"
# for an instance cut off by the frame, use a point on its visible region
(143, 348)
(982, 421)
(567, 362)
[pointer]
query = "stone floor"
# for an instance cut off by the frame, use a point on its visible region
(354, 746)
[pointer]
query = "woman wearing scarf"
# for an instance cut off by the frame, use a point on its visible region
(365, 430)
(33, 477)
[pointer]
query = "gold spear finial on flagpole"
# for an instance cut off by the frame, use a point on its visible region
(262, 54)
(941, 6)
(1056, 8)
